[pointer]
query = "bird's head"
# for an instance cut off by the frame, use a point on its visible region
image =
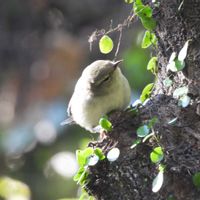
(102, 76)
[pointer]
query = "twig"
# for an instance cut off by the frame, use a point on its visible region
(98, 33)
(119, 42)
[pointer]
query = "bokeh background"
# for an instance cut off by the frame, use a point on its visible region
(43, 49)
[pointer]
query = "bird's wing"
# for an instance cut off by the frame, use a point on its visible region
(69, 120)
(69, 112)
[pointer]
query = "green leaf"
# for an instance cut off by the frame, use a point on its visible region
(82, 155)
(179, 64)
(158, 182)
(129, 1)
(148, 23)
(152, 65)
(83, 177)
(161, 167)
(143, 131)
(146, 41)
(138, 2)
(196, 179)
(157, 155)
(167, 82)
(183, 52)
(106, 44)
(78, 174)
(184, 101)
(105, 124)
(135, 143)
(153, 39)
(171, 197)
(180, 92)
(99, 153)
(152, 122)
(146, 92)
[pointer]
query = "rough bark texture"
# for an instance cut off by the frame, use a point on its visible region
(131, 176)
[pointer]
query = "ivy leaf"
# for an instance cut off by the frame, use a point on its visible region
(167, 82)
(78, 174)
(196, 179)
(183, 52)
(82, 155)
(106, 44)
(146, 41)
(184, 101)
(179, 64)
(143, 11)
(143, 131)
(138, 2)
(105, 124)
(92, 160)
(152, 65)
(172, 66)
(172, 57)
(99, 153)
(158, 182)
(157, 155)
(180, 92)
(148, 23)
(146, 92)
(113, 154)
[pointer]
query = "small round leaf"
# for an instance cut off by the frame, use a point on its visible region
(157, 155)
(184, 101)
(158, 182)
(113, 154)
(143, 131)
(93, 160)
(196, 179)
(106, 44)
(105, 124)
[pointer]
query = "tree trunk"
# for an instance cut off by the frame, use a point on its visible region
(131, 175)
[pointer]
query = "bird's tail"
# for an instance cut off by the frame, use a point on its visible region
(67, 121)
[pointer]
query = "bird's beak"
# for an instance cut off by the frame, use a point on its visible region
(116, 63)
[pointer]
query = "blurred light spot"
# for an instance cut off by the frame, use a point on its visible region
(45, 132)
(64, 164)
(7, 111)
(12, 189)
(40, 70)
(17, 141)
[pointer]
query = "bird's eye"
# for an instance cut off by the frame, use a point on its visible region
(106, 79)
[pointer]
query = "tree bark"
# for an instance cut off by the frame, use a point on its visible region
(131, 175)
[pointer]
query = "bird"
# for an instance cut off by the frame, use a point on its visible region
(101, 89)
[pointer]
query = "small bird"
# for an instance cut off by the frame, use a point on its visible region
(102, 88)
